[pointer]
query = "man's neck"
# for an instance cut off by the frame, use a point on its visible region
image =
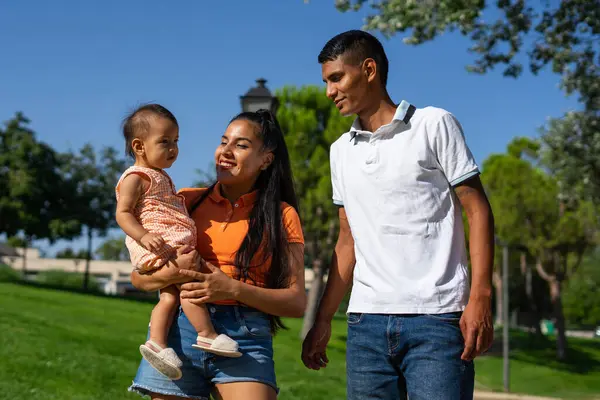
(378, 114)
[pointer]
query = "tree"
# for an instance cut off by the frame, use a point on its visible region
(67, 253)
(71, 254)
(531, 214)
(311, 123)
(16, 242)
(572, 145)
(565, 34)
(559, 252)
(581, 300)
(34, 200)
(511, 183)
(93, 177)
(113, 250)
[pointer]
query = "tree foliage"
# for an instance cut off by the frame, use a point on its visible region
(311, 123)
(113, 249)
(32, 198)
(92, 178)
(581, 300)
(69, 253)
(564, 34)
(58, 278)
(572, 148)
(533, 217)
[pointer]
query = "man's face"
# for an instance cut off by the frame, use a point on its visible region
(346, 85)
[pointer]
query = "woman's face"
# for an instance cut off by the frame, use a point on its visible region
(240, 157)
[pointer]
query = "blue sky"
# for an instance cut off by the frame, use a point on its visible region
(76, 68)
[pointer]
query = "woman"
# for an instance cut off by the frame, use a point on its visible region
(250, 240)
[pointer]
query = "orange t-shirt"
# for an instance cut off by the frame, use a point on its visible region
(222, 227)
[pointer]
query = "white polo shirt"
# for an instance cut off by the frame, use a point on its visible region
(396, 187)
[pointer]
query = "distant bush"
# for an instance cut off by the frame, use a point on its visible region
(581, 299)
(68, 280)
(7, 274)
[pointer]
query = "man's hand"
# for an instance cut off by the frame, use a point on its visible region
(477, 328)
(314, 355)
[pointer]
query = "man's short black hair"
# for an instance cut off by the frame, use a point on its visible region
(356, 46)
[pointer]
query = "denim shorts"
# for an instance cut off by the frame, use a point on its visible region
(202, 370)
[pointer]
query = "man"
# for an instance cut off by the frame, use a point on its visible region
(401, 177)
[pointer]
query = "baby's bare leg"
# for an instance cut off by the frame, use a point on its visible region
(198, 315)
(163, 314)
(199, 318)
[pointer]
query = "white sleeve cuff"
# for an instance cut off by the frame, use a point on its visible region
(464, 177)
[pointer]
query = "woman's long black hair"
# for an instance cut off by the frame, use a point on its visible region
(266, 230)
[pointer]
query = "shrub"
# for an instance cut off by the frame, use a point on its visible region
(67, 280)
(8, 274)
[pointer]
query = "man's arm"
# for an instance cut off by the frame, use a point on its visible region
(314, 353)
(476, 323)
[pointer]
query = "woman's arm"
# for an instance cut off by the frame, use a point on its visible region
(286, 302)
(168, 274)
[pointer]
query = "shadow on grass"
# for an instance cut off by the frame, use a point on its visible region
(583, 355)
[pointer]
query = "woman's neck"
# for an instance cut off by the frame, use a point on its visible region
(234, 192)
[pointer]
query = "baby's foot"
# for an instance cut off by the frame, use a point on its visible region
(164, 361)
(221, 345)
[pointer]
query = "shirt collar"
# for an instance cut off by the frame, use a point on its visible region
(404, 113)
(246, 200)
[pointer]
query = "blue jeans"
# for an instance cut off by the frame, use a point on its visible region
(395, 356)
(201, 370)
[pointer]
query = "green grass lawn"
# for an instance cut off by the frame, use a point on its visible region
(535, 370)
(58, 345)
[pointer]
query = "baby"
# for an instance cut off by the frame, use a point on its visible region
(157, 223)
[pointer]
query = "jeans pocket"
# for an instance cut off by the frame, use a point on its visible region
(256, 324)
(452, 317)
(354, 318)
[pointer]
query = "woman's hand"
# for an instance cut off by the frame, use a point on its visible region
(187, 258)
(208, 288)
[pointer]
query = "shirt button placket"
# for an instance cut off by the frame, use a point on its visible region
(227, 218)
(372, 151)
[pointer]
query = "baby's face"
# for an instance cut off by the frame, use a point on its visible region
(160, 143)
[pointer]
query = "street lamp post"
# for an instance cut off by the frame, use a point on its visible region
(505, 317)
(259, 97)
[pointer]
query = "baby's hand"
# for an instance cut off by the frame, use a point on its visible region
(152, 241)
